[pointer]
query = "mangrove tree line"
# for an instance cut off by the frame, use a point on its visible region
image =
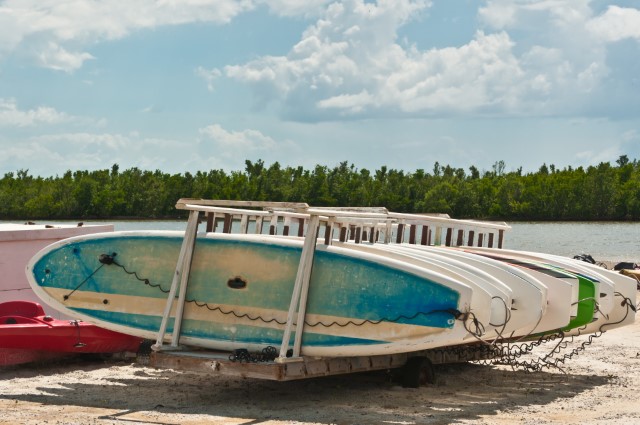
(603, 192)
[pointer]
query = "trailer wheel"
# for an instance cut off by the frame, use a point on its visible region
(417, 371)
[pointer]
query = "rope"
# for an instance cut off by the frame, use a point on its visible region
(510, 355)
(478, 328)
(107, 259)
(110, 259)
(79, 343)
(66, 297)
(500, 351)
(455, 313)
(242, 355)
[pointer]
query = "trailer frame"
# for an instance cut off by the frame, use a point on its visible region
(353, 225)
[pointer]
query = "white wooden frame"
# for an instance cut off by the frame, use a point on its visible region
(375, 219)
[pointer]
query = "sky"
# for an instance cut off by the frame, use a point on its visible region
(194, 85)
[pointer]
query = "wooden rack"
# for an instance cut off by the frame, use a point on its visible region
(314, 225)
(358, 225)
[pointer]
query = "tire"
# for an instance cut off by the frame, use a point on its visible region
(416, 372)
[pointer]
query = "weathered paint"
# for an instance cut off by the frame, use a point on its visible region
(346, 293)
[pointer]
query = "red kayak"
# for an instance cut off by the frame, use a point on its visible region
(27, 335)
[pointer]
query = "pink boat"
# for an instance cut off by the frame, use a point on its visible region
(20, 242)
(27, 332)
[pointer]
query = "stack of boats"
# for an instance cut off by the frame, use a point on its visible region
(325, 282)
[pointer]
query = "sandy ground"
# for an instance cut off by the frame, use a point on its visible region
(599, 386)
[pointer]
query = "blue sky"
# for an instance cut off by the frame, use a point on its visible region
(196, 85)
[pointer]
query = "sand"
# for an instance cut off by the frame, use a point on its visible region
(598, 386)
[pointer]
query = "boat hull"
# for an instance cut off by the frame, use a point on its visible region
(20, 242)
(240, 288)
(615, 293)
(27, 335)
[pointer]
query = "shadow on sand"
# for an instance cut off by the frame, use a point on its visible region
(461, 392)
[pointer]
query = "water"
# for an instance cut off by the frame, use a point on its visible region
(612, 241)
(609, 241)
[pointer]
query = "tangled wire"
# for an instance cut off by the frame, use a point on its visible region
(242, 355)
(499, 352)
(110, 259)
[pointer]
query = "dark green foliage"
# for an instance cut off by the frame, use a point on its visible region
(602, 192)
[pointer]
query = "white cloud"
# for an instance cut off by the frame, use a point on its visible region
(86, 141)
(349, 51)
(296, 7)
(55, 32)
(20, 152)
(152, 109)
(561, 26)
(213, 147)
(348, 103)
(232, 142)
(208, 75)
(53, 156)
(616, 24)
(90, 151)
(499, 14)
(506, 14)
(56, 57)
(591, 157)
(481, 74)
(11, 116)
(55, 29)
(350, 64)
(228, 149)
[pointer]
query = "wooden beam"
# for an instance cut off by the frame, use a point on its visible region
(244, 224)
(228, 220)
(297, 305)
(343, 233)
(424, 240)
(273, 225)
(180, 279)
(211, 217)
(471, 237)
(449, 236)
(412, 234)
(400, 233)
(328, 234)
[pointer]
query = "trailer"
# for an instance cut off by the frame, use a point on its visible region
(411, 369)
(314, 225)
